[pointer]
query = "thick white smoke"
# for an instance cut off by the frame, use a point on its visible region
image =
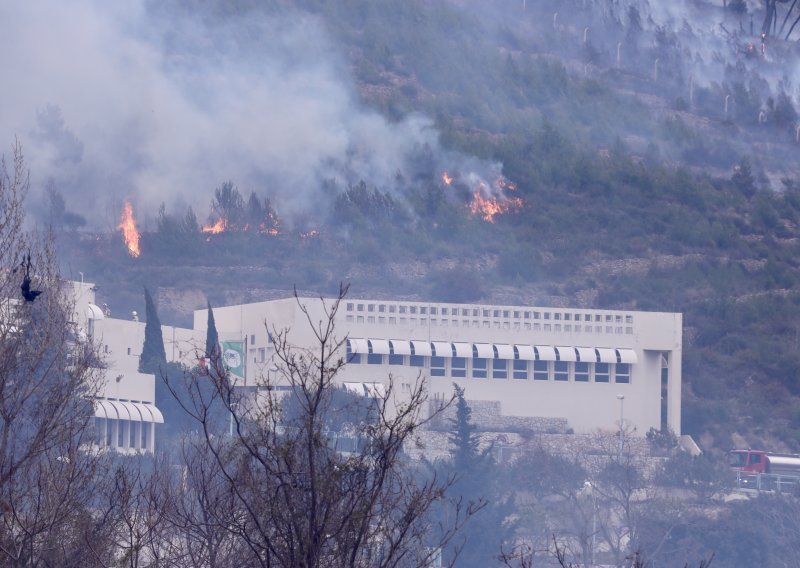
(114, 99)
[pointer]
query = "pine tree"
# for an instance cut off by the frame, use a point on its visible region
(153, 356)
(212, 337)
(478, 480)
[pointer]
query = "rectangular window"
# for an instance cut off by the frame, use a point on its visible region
(561, 370)
(382, 308)
(541, 371)
(370, 307)
(133, 436)
(122, 425)
(505, 313)
(478, 368)
(350, 307)
(423, 311)
(581, 372)
(601, 372)
(437, 366)
(402, 309)
(444, 312)
(520, 369)
(370, 319)
(262, 354)
(628, 319)
(458, 367)
(622, 373)
(433, 311)
(392, 320)
(146, 435)
(416, 361)
(413, 309)
(359, 319)
(396, 360)
(499, 369)
(252, 340)
(110, 426)
(374, 359)
(360, 307)
(557, 316)
(392, 309)
(100, 431)
(349, 318)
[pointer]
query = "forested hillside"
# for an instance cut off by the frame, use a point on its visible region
(599, 154)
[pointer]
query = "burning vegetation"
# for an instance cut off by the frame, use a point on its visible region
(486, 200)
(130, 233)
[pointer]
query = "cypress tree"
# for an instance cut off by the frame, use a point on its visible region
(153, 356)
(212, 337)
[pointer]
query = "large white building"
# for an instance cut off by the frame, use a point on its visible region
(551, 369)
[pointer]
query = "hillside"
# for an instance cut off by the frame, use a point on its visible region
(625, 186)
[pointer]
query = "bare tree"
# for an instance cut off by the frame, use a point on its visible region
(46, 390)
(294, 499)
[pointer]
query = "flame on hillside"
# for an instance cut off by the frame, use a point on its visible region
(130, 233)
(215, 228)
(310, 234)
(487, 208)
(486, 200)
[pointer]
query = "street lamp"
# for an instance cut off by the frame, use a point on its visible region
(621, 399)
(587, 485)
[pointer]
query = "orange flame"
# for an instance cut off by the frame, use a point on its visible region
(215, 228)
(447, 178)
(127, 225)
(488, 208)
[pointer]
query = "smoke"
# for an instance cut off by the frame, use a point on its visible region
(115, 100)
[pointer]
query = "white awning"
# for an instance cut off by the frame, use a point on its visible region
(400, 347)
(422, 348)
(355, 388)
(463, 349)
(504, 351)
(606, 355)
(379, 346)
(485, 350)
(122, 410)
(358, 346)
(135, 412)
(566, 354)
(375, 390)
(587, 354)
(94, 312)
(526, 352)
(157, 416)
(443, 348)
(103, 409)
(545, 353)
(627, 356)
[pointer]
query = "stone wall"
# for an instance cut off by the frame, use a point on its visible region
(487, 417)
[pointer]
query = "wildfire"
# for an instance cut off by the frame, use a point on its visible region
(215, 228)
(130, 234)
(310, 234)
(487, 199)
(488, 208)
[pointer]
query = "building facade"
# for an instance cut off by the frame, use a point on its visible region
(552, 369)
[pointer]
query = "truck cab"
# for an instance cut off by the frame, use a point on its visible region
(748, 461)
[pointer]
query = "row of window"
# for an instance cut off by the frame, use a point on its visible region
(486, 324)
(124, 434)
(488, 312)
(482, 368)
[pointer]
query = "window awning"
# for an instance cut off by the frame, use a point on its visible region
(627, 356)
(379, 346)
(526, 352)
(567, 354)
(606, 355)
(358, 346)
(463, 349)
(400, 347)
(375, 390)
(103, 409)
(157, 416)
(422, 348)
(122, 410)
(442, 348)
(355, 388)
(485, 350)
(587, 354)
(545, 353)
(504, 351)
